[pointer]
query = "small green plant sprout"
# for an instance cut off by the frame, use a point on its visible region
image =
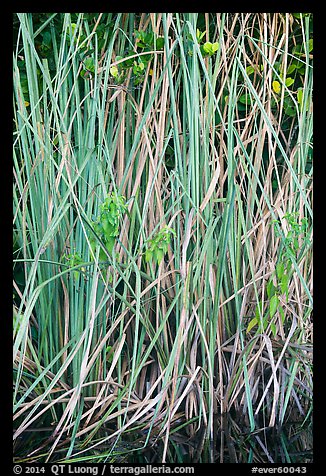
(107, 224)
(75, 259)
(146, 40)
(200, 35)
(297, 230)
(300, 99)
(117, 74)
(88, 70)
(250, 70)
(158, 246)
(209, 49)
(114, 71)
(138, 68)
(278, 283)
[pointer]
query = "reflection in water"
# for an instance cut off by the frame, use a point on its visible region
(233, 443)
(290, 444)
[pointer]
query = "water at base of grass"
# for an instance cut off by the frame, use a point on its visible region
(232, 443)
(290, 444)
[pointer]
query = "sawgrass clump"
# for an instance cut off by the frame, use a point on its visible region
(162, 232)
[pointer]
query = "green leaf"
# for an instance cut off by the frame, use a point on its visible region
(276, 87)
(84, 74)
(289, 111)
(110, 242)
(274, 302)
(291, 68)
(148, 255)
(270, 288)
(245, 99)
(311, 44)
(210, 48)
(289, 82)
(298, 50)
(89, 65)
(47, 39)
(109, 353)
(114, 71)
(200, 35)
(103, 256)
(282, 314)
(106, 226)
(284, 283)
(273, 328)
(280, 270)
(159, 43)
(289, 107)
(158, 253)
(259, 310)
(252, 324)
(300, 95)
(250, 70)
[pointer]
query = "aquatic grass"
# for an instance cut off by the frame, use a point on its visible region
(118, 347)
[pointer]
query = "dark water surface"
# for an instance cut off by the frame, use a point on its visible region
(290, 444)
(233, 443)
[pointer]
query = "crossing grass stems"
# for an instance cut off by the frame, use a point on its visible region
(146, 335)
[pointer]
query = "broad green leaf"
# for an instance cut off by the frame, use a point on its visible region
(210, 48)
(284, 283)
(47, 39)
(158, 253)
(252, 324)
(114, 71)
(89, 64)
(276, 87)
(109, 242)
(289, 82)
(200, 35)
(289, 107)
(282, 314)
(265, 322)
(274, 302)
(109, 353)
(250, 70)
(270, 288)
(215, 47)
(259, 310)
(106, 226)
(280, 270)
(148, 255)
(159, 43)
(245, 99)
(300, 95)
(289, 111)
(291, 68)
(311, 44)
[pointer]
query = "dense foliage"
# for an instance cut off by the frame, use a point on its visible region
(162, 235)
